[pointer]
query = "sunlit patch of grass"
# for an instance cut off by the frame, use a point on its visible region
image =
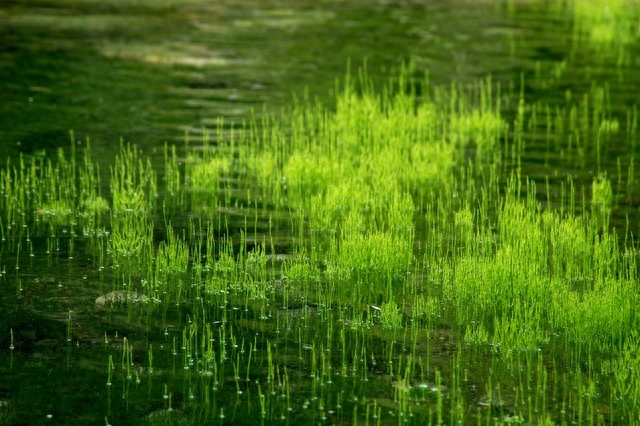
(134, 191)
(425, 308)
(133, 184)
(360, 173)
(363, 205)
(477, 335)
(54, 193)
(56, 213)
(95, 206)
(390, 315)
(547, 274)
(307, 174)
(171, 281)
(130, 245)
(203, 182)
(299, 277)
(225, 274)
(368, 266)
(610, 26)
(601, 317)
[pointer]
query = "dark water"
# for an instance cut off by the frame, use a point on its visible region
(149, 72)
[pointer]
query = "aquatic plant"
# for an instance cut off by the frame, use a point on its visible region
(171, 280)
(390, 315)
(601, 201)
(385, 259)
(608, 26)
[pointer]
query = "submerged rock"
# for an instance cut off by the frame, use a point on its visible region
(168, 416)
(494, 401)
(121, 297)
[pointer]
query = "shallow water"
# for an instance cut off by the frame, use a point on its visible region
(149, 72)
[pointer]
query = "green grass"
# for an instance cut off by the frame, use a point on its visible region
(382, 259)
(608, 26)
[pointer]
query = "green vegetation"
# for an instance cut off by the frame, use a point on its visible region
(383, 259)
(400, 231)
(610, 27)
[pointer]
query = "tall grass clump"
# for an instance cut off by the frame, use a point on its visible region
(547, 274)
(625, 381)
(51, 194)
(204, 171)
(171, 281)
(359, 173)
(40, 188)
(134, 191)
